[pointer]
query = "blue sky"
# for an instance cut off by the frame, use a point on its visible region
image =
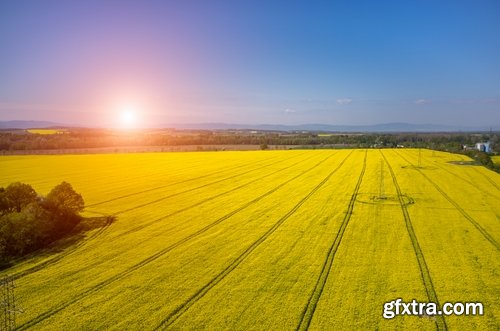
(280, 62)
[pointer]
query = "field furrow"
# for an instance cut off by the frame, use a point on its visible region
(60, 256)
(476, 224)
(461, 260)
(234, 189)
(171, 317)
(277, 240)
(486, 193)
(162, 252)
(198, 232)
(309, 309)
(375, 262)
(156, 200)
(226, 169)
(491, 181)
(424, 269)
(156, 220)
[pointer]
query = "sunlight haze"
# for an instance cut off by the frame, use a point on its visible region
(256, 62)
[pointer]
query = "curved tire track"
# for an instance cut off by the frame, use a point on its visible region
(153, 257)
(424, 270)
(310, 308)
(181, 309)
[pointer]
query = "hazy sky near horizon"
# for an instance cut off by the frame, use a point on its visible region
(279, 62)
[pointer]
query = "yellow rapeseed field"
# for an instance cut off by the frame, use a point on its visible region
(44, 131)
(279, 240)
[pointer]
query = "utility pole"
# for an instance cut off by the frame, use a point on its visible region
(8, 307)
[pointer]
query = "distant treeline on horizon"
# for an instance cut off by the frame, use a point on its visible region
(21, 140)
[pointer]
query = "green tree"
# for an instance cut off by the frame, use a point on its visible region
(64, 198)
(25, 231)
(17, 195)
(4, 203)
(29, 222)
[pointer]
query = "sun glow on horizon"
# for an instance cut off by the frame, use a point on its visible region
(128, 117)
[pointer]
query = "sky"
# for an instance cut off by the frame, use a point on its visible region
(110, 63)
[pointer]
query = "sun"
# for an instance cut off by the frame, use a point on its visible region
(128, 117)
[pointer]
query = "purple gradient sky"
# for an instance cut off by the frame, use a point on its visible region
(281, 62)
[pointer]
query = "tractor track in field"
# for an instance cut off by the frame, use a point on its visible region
(151, 177)
(199, 203)
(181, 309)
(465, 180)
(192, 189)
(485, 233)
(157, 255)
(310, 308)
(424, 269)
(176, 183)
(64, 254)
(74, 248)
(138, 228)
(487, 178)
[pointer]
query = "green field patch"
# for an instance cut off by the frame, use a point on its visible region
(46, 131)
(466, 163)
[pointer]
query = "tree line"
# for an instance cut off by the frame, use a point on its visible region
(29, 221)
(100, 138)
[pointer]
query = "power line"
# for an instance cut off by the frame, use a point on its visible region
(8, 307)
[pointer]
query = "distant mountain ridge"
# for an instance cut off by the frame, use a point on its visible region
(29, 124)
(384, 127)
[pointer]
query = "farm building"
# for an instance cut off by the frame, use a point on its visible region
(483, 147)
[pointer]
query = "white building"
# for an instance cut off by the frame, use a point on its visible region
(483, 147)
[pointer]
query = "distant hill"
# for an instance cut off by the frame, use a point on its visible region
(28, 124)
(386, 127)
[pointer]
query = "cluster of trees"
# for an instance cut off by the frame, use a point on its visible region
(29, 221)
